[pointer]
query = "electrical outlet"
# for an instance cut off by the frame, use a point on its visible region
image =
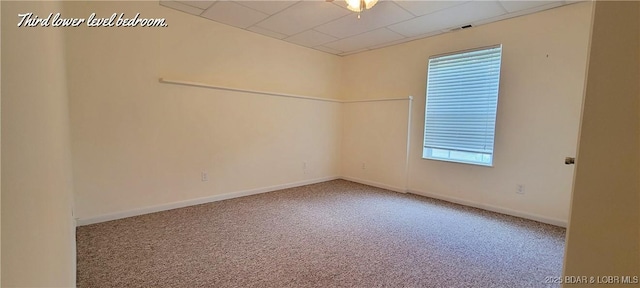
(204, 176)
(364, 166)
(520, 189)
(304, 167)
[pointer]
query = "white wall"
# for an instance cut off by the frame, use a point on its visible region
(543, 66)
(143, 141)
(602, 238)
(38, 233)
(374, 143)
(138, 143)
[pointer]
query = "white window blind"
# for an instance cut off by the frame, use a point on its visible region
(462, 100)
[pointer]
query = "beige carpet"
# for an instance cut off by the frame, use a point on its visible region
(332, 234)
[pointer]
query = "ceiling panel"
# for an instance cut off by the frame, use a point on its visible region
(302, 16)
(365, 40)
(385, 13)
(266, 32)
(546, 6)
(513, 6)
(310, 38)
(330, 27)
(199, 4)
(419, 8)
(267, 6)
(328, 50)
(182, 7)
(233, 14)
(449, 18)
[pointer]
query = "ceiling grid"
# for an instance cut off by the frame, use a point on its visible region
(332, 28)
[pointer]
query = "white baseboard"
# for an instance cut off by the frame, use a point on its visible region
(220, 197)
(197, 201)
(501, 210)
(374, 184)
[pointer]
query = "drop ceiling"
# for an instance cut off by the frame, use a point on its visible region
(332, 28)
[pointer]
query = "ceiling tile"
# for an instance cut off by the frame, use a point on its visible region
(383, 14)
(233, 14)
(517, 5)
(327, 49)
(266, 32)
(403, 40)
(448, 18)
(364, 40)
(353, 52)
(331, 28)
(199, 4)
(547, 5)
(341, 3)
(388, 44)
(267, 6)
(181, 7)
(302, 16)
(310, 38)
(420, 8)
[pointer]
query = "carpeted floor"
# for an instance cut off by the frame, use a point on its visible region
(331, 234)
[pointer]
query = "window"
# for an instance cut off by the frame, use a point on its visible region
(460, 112)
